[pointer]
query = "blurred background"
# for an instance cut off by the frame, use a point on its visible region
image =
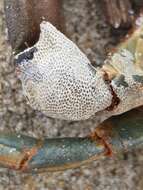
(86, 26)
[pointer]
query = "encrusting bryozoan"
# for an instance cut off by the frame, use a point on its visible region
(59, 80)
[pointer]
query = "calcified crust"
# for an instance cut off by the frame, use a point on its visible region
(59, 80)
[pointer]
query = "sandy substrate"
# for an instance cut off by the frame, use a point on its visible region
(86, 26)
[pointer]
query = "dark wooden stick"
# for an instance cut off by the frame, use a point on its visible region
(23, 18)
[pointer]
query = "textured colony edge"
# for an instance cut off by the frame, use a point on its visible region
(59, 80)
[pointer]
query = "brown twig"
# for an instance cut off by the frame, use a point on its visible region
(24, 17)
(119, 12)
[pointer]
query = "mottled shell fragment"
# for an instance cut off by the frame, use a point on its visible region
(124, 84)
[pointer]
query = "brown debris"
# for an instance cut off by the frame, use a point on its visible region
(115, 99)
(106, 133)
(24, 17)
(103, 137)
(119, 12)
(97, 135)
(28, 155)
(26, 158)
